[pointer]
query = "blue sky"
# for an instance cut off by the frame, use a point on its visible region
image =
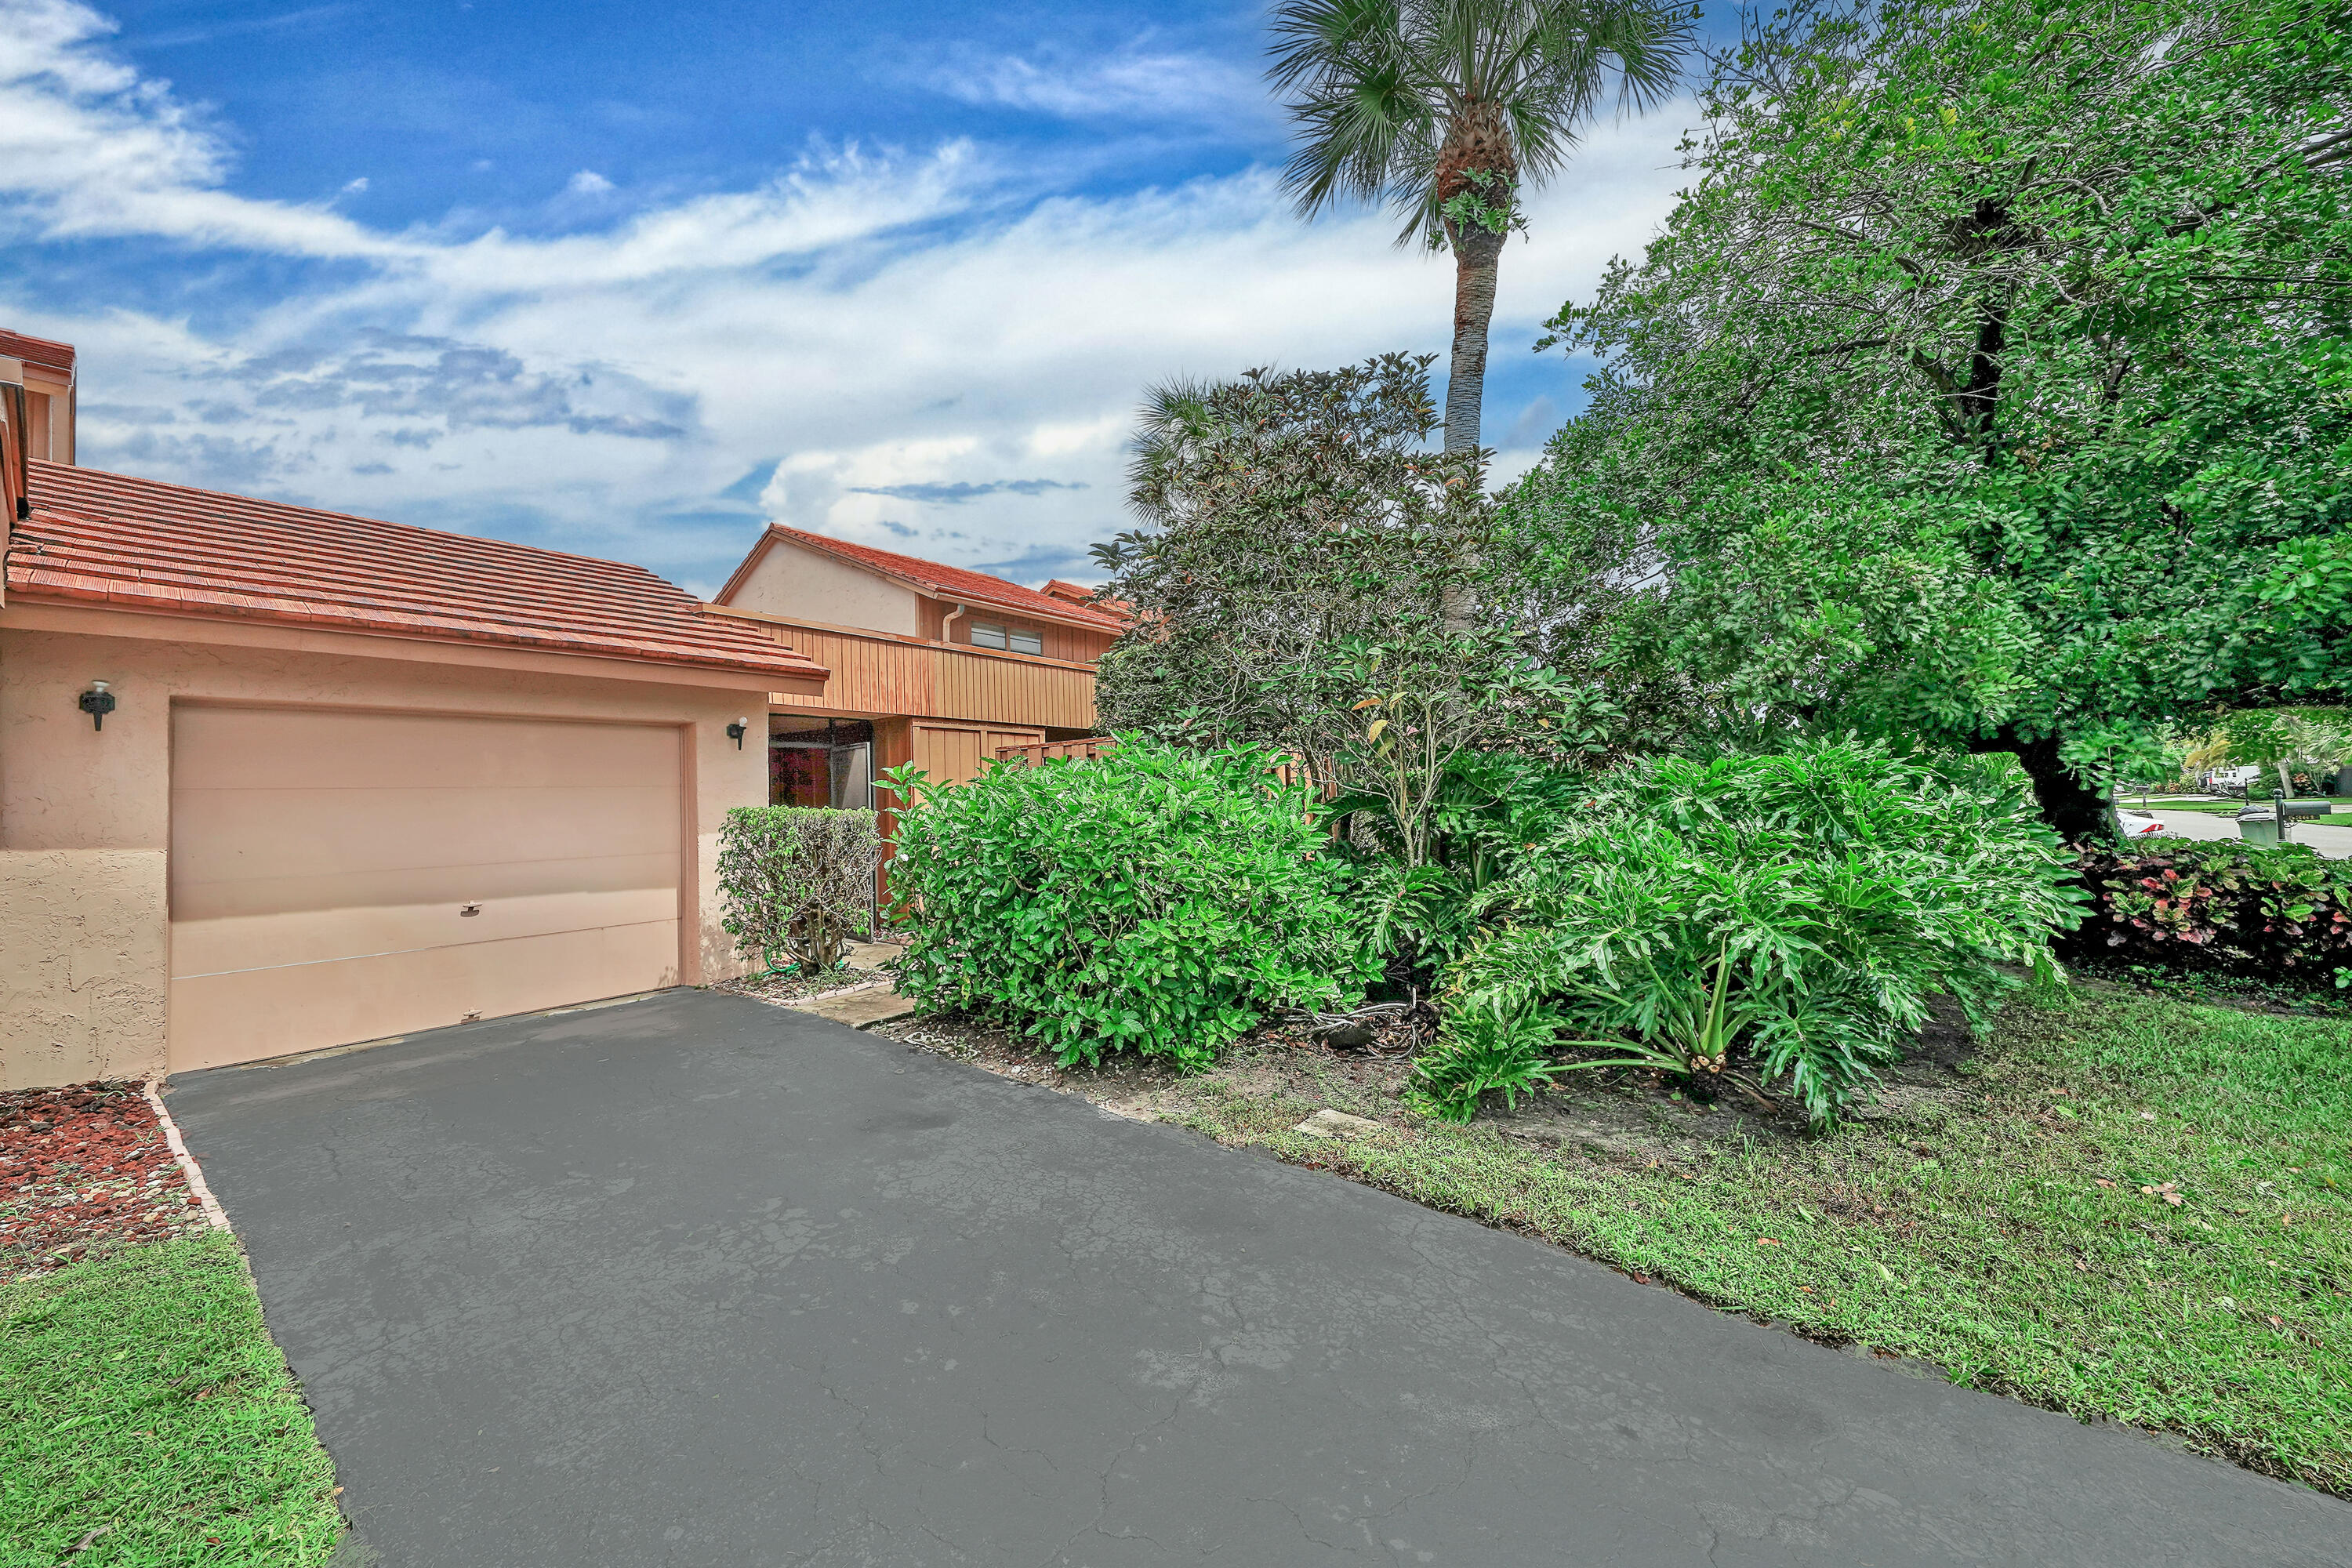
(628, 280)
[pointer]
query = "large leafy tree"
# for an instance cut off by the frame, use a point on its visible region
(1446, 110)
(1990, 387)
(1290, 523)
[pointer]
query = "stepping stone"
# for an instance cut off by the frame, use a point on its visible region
(860, 1009)
(1336, 1124)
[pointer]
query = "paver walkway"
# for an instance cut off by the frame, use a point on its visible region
(699, 1280)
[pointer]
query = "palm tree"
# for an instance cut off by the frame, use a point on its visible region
(1446, 110)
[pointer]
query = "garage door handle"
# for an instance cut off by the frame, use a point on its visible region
(469, 908)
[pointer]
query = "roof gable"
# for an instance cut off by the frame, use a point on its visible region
(931, 577)
(141, 544)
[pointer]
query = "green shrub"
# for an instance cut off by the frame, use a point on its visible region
(1492, 1041)
(799, 882)
(1153, 900)
(1762, 921)
(1485, 805)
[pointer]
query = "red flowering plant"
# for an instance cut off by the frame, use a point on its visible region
(2277, 913)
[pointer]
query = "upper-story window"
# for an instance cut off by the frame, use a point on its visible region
(987, 635)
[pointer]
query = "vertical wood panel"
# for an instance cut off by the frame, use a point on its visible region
(993, 742)
(950, 754)
(886, 676)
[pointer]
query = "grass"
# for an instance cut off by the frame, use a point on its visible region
(2315, 1001)
(2020, 1233)
(142, 1397)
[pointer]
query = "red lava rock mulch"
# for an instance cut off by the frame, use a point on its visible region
(84, 1169)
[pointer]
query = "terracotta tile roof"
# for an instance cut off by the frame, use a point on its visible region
(1079, 594)
(95, 537)
(952, 581)
(39, 350)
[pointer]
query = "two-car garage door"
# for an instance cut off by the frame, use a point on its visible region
(341, 875)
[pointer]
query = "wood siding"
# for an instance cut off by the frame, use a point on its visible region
(952, 754)
(949, 754)
(876, 675)
(1073, 644)
(1036, 752)
(872, 672)
(1016, 690)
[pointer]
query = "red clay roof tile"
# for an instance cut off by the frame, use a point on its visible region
(141, 545)
(953, 581)
(1079, 594)
(39, 350)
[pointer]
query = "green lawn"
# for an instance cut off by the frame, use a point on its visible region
(2018, 1229)
(142, 1397)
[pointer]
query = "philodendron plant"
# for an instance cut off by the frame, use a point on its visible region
(1504, 1040)
(1696, 1030)
(1780, 923)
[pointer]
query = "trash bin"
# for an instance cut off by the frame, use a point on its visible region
(2258, 825)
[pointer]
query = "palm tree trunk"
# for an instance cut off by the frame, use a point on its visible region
(1476, 252)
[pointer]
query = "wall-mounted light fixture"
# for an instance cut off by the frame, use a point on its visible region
(737, 730)
(97, 703)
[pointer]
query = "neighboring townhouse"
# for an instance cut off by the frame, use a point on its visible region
(929, 664)
(274, 779)
(42, 372)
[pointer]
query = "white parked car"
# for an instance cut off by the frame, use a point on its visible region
(2138, 825)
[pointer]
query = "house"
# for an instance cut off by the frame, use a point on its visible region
(929, 664)
(274, 779)
(43, 375)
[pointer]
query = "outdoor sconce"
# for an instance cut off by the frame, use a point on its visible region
(97, 703)
(737, 730)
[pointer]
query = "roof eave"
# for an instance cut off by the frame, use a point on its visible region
(110, 594)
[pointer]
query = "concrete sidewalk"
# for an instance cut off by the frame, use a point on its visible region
(696, 1280)
(2335, 842)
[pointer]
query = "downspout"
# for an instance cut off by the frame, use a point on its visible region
(950, 619)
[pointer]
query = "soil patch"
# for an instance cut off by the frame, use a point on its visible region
(1614, 1116)
(85, 1170)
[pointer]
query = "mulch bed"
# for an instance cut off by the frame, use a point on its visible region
(84, 1169)
(787, 985)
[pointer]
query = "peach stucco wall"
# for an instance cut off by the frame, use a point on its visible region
(85, 816)
(793, 581)
(83, 952)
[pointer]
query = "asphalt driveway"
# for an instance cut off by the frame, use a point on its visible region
(696, 1280)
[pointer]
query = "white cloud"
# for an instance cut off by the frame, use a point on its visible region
(89, 148)
(916, 344)
(588, 183)
(1135, 82)
(356, 187)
